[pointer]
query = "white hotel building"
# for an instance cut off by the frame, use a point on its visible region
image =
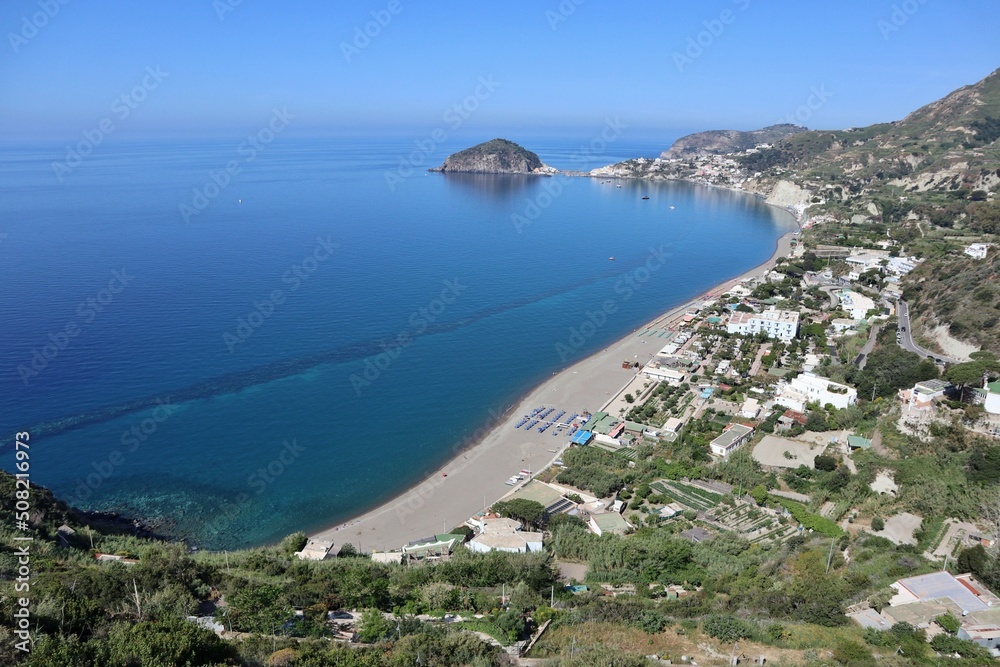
(780, 324)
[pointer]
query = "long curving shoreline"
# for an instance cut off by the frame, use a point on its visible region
(475, 477)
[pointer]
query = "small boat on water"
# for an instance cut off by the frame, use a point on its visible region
(645, 196)
(611, 259)
(672, 207)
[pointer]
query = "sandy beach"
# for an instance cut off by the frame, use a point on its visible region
(476, 476)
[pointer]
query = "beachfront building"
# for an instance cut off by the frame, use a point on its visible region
(315, 549)
(780, 324)
(657, 370)
(730, 439)
(809, 387)
(609, 522)
(977, 250)
(435, 547)
(501, 534)
(546, 495)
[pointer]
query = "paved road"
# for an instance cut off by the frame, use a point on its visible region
(906, 339)
(862, 358)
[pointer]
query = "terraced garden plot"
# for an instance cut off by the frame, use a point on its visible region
(743, 519)
(688, 495)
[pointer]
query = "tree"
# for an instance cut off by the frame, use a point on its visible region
(525, 511)
(260, 609)
(292, 543)
(817, 421)
(948, 622)
(975, 560)
(374, 626)
(879, 600)
(825, 463)
(970, 374)
(164, 643)
(727, 628)
(878, 524)
(984, 465)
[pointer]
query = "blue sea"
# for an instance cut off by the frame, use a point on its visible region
(237, 344)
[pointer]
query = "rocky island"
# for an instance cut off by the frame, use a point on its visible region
(498, 156)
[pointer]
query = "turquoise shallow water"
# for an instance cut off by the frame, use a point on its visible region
(289, 360)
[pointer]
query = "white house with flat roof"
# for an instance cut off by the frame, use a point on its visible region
(503, 534)
(730, 439)
(780, 324)
(977, 250)
(809, 387)
(656, 371)
(856, 304)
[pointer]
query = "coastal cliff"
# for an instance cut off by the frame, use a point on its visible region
(719, 142)
(498, 156)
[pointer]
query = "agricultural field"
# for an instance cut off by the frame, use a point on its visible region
(689, 495)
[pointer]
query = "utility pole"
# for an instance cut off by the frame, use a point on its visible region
(829, 559)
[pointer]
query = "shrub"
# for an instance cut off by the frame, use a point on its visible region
(948, 622)
(727, 628)
(878, 524)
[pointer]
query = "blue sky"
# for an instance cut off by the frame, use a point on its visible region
(552, 67)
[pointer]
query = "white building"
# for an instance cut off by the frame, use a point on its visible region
(315, 549)
(780, 324)
(977, 250)
(730, 439)
(856, 304)
(902, 265)
(842, 324)
(504, 535)
(808, 387)
(750, 408)
(992, 403)
(672, 376)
